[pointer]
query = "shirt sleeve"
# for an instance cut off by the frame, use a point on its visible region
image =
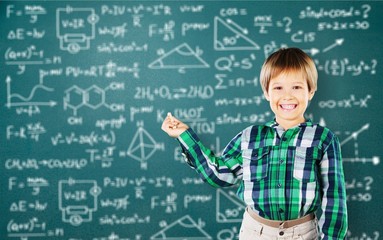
(333, 222)
(218, 171)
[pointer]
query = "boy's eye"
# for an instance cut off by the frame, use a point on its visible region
(277, 88)
(297, 87)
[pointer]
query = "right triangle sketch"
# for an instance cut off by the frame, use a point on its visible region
(230, 36)
(229, 207)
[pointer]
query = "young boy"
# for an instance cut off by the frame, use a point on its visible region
(287, 169)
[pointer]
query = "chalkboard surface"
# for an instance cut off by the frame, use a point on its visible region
(87, 84)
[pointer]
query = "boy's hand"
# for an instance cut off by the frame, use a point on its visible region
(173, 127)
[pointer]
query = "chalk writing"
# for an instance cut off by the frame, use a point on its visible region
(87, 84)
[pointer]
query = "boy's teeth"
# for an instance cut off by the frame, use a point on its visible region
(288, 106)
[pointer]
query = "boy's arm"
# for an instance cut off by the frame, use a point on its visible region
(217, 171)
(333, 222)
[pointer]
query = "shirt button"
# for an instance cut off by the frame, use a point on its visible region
(281, 210)
(281, 233)
(185, 157)
(281, 161)
(279, 185)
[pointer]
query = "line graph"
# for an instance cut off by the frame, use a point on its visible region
(375, 160)
(17, 100)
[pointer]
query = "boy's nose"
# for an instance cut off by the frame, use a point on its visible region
(287, 95)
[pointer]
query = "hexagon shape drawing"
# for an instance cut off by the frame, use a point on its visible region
(74, 98)
(95, 97)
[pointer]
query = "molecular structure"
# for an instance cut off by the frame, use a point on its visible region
(92, 97)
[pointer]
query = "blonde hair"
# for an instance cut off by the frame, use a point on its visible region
(286, 60)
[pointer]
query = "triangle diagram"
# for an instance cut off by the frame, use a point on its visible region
(229, 207)
(227, 37)
(180, 57)
(184, 228)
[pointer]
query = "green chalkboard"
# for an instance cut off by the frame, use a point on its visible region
(87, 84)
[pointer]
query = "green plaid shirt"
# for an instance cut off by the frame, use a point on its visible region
(282, 175)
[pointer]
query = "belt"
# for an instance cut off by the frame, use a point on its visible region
(277, 224)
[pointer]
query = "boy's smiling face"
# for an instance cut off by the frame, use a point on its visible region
(289, 94)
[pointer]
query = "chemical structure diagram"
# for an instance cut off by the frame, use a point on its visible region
(93, 97)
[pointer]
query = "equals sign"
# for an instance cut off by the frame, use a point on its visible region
(38, 206)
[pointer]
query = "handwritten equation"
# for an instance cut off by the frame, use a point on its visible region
(86, 86)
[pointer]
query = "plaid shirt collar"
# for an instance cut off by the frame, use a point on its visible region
(274, 124)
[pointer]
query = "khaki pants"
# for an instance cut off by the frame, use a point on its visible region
(253, 230)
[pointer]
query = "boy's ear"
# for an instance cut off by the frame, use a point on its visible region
(311, 95)
(266, 96)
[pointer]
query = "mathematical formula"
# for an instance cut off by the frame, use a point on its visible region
(88, 84)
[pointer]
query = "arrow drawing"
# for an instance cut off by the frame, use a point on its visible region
(355, 135)
(338, 42)
(312, 51)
